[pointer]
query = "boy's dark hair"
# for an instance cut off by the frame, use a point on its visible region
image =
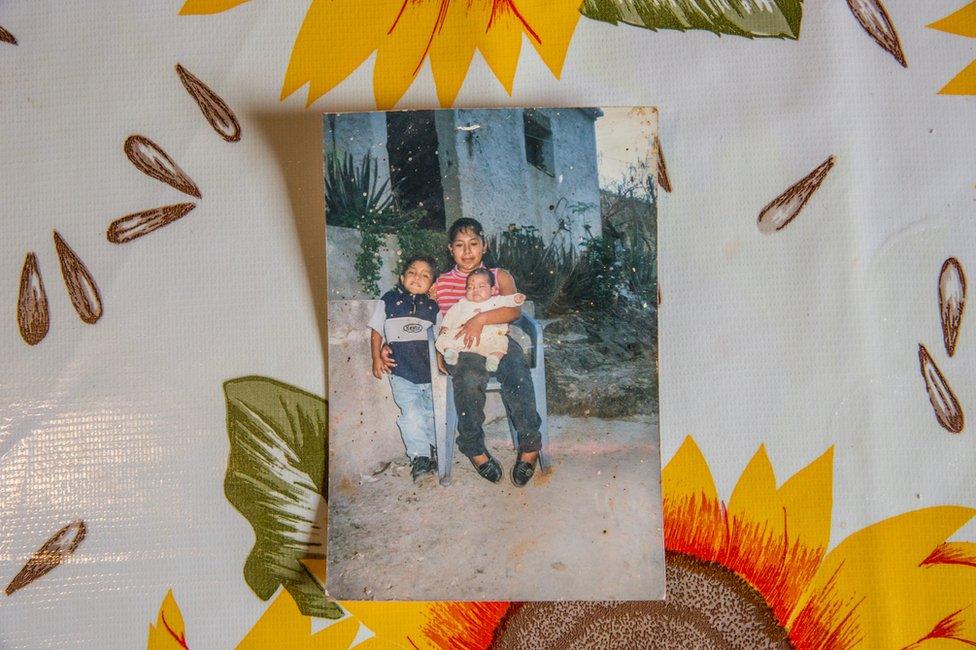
(465, 224)
(481, 271)
(426, 259)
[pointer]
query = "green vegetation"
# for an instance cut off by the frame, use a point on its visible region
(356, 199)
(539, 268)
(598, 277)
(413, 240)
(604, 271)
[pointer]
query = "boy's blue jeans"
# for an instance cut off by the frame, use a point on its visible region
(416, 421)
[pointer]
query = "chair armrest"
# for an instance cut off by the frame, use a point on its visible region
(431, 350)
(531, 326)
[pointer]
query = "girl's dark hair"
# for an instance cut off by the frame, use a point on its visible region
(426, 259)
(465, 224)
(481, 271)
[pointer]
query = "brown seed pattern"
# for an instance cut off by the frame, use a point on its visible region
(214, 109)
(952, 301)
(62, 544)
(662, 169)
(7, 37)
(876, 22)
(779, 212)
(136, 225)
(153, 161)
(707, 606)
(33, 317)
(79, 282)
(944, 401)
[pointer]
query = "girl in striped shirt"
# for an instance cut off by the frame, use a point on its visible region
(470, 376)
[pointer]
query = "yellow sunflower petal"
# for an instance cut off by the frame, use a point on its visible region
(808, 498)
(778, 537)
(963, 83)
(694, 522)
(754, 494)
(932, 644)
(169, 632)
(550, 25)
(420, 625)
(963, 553)
(501, 43)
(453, 47)
(961, 22)
(375, 643)
(316, 568)
(948, 593)
(876, 589)
(335, 38)
(687, 474)
(193, 7)
(951, 579)
(402, 51)
(397, 623)
(428, 625)
(283, 626)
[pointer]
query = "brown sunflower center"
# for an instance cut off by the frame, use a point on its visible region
(707, 606)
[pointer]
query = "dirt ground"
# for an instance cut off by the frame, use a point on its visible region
(590, 530)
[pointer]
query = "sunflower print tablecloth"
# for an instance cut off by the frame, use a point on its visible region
(163, 257)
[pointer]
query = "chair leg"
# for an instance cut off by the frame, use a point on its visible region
(445, 457)
(539, 383)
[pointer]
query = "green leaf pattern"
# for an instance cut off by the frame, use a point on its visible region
(276, 478)
(749, 18)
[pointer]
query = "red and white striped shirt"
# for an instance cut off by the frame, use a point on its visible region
(450, 288)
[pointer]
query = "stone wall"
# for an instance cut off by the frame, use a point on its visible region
(362, 413)
(342, 247)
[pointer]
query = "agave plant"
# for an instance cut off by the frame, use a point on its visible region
(354, 195)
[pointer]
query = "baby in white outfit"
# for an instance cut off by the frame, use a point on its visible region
(477, 299)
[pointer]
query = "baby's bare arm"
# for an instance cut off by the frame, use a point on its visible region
(506, 287)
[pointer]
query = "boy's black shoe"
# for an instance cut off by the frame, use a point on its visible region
(420, 466)
(522, 471)
(489, 470)
(433, 458)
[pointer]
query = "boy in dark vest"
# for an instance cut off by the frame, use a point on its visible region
(402, 319)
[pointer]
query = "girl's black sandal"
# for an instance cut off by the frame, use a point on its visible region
(489, 470)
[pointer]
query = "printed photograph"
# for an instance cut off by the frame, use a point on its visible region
(493, 383)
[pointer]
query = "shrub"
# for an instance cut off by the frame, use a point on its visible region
(595, 281)
(640, 272)
(601, 276)
(539, 269)
(414, 240)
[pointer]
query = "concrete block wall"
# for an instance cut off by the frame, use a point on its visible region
(362, 413)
